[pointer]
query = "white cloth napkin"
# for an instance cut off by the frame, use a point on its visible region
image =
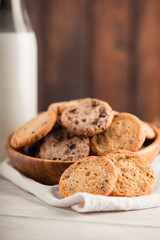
(83, 202)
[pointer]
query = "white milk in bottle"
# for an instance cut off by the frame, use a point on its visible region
(18, 69)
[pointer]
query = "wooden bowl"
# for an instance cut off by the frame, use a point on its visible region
(49, 171)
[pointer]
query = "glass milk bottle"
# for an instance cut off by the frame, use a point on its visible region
(18, 69)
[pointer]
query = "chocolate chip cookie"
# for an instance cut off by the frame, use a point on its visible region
(88, 117)
(62, 145)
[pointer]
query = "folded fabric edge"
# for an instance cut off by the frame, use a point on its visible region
(80, 202)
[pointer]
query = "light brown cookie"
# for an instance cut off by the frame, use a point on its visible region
(125, 132)
(88, 117)
(96, 175)
(135, 174)
(61, 106)
(64, 146)
(149, 132)
(34, 130)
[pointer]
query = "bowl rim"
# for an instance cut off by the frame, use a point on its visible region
(10, 148)
(155, 141)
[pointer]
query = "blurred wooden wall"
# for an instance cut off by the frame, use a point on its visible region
(108, 49)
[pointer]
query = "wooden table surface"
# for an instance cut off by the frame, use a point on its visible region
(23, 216)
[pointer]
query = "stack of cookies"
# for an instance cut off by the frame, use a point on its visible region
(100, 142)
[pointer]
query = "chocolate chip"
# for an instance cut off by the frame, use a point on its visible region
(73, 110)
(59, 158)
(76, 122)
(70, 118)
(102, 114)
(69, 136)
(73, 153)
(54, 158)
(73, 146)
(95, 122)
(67, 151)
(95, 104)
(134, 175)
(32, 132)
(106, 129)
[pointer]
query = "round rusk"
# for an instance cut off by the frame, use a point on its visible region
(125, 132)
(96, 175)
(135, 174)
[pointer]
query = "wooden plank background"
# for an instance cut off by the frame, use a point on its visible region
(109, 49)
